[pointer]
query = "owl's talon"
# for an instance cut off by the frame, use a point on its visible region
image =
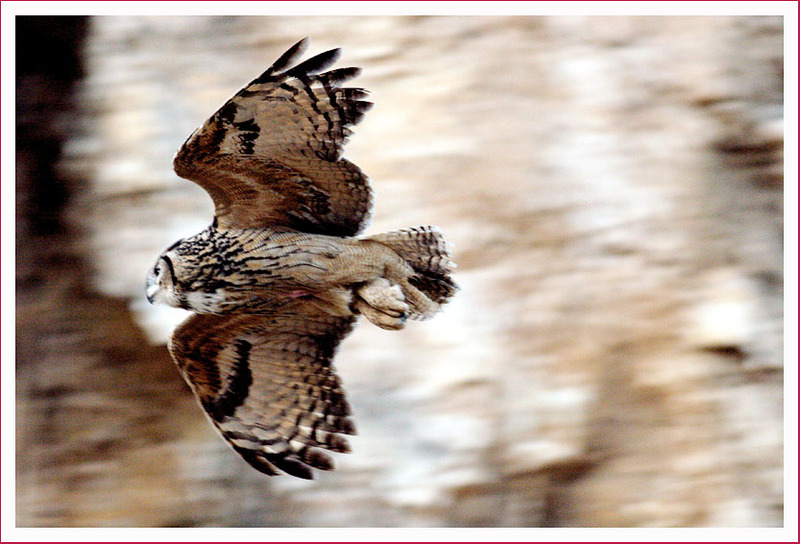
(383, 304)
(379, 318)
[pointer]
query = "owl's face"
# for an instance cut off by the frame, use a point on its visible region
(162, 283)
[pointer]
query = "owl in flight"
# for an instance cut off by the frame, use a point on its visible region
(281, 275)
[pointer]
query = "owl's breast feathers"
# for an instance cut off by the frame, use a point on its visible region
(264, 270)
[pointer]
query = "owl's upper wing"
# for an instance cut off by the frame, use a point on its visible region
(272, 154)
(268, 385)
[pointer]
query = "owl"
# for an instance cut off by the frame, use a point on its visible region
(282, 274)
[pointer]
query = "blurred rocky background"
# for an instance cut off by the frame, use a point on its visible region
(614, 190)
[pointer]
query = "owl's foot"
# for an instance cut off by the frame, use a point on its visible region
(383, 303)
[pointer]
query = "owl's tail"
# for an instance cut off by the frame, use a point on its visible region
(426, 251)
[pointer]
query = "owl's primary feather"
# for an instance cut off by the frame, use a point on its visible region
(280, 277)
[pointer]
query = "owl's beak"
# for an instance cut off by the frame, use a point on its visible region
(152, 291)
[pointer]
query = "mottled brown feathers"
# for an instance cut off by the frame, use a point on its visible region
(280, 277)
(270, 388)
(279, 140)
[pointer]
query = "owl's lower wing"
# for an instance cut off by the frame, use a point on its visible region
(272, 154)
(268, 385)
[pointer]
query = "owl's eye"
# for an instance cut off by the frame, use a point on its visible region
(165, 272)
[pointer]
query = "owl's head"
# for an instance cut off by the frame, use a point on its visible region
(182, 277)
(162, 283)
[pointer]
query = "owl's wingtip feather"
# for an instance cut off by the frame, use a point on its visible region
(288, 58)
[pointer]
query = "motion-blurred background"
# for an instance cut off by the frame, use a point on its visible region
(613, 187)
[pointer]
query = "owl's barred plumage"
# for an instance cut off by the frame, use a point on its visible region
(271, 390)
(271, 154)
(280, 277)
